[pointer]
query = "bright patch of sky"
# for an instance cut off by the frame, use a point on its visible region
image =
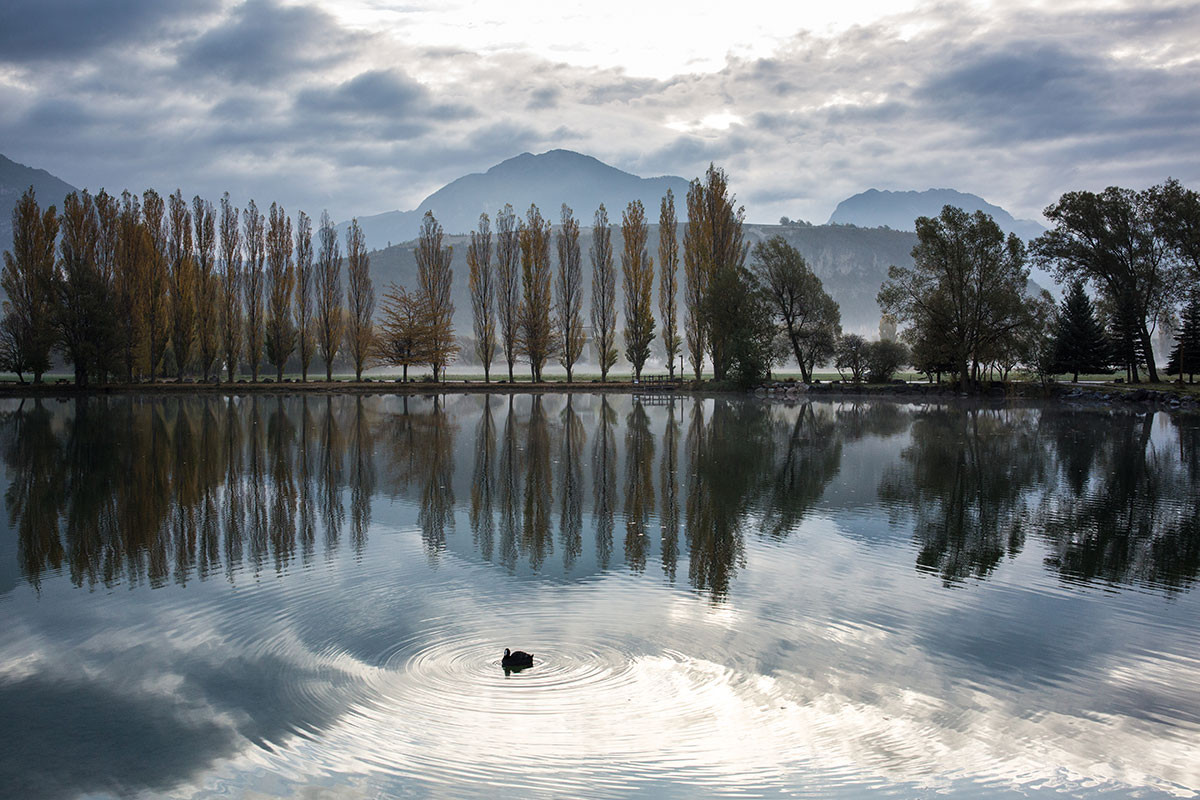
(653, 40)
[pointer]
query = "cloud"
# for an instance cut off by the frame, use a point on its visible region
(292, 103)
(45, 30)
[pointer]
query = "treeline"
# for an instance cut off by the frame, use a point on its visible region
(130, 288)
(968, 311)
(133, 288)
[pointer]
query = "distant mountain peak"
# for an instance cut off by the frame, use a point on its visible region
(898, 210)
(547, 180)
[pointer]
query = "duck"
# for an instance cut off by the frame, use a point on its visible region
(519, 659)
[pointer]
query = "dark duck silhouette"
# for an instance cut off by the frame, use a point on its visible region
(518, 660)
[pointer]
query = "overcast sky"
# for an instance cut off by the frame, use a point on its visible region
(367, 106)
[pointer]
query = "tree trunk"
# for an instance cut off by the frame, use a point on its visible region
(1144, 335)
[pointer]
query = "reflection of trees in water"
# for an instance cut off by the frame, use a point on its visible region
(805, 456)
(420, 452)
(570, 522)
(967, 475)
(669, 481)
(604, 481)
(537, 540)
(1134, 515)
(509, 489)
(160, 489)
(639, 486)
(483, 522)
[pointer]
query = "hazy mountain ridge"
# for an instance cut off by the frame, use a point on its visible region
(547, 180)
(15, 179)
(898, 210)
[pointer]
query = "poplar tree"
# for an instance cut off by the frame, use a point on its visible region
(604, 293)
(360, 298)
(508, 286)
(481, 282)
(714, 254)
(695, 277)
(668, 284)
(83, 305)
(28, 325)
(436, 281)
(536, 342)
(231, 286)
(569, 293)
(157, 284)
(637, 273)
(330, 314)
(281, 282)
(252, 281)
(183, 282)
(134, 251)
(304, 292)
(204, 219)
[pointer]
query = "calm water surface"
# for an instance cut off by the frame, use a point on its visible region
(283, 597)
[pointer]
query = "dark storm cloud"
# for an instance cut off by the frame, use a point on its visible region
(264, 41)
(42, 30)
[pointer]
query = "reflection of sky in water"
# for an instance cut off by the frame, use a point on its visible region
(831, 665)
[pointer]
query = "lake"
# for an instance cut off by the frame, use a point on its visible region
(308, 596)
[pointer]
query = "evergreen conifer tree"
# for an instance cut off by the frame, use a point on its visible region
(1185, 356)
(1080, 343)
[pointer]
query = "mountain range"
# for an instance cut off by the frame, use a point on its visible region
(15, 179)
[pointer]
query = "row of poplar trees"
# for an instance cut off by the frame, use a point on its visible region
(524, 310)
(126, 287)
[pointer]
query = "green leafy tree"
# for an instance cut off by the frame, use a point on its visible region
(1079, 341)
(810, 318)
(1111, 240)
(637, 271)
(965, 288)
(851, 356)
(884, 359)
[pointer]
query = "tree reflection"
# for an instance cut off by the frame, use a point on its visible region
(604, 481)
(161, 489)
(570, 521)
(967, 476)
(537, 538)
(669, 481)
(483, 522)
(639, 486)
(1134, 517)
